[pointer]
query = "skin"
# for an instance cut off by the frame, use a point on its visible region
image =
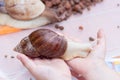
(94, 67)
(55, 69)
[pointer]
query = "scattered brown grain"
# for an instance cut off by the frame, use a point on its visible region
(12, 57)
(69, 7)
(81, 28)
(91, 39)
(59, 27)
(6, 56)
(118, 5)
(56, 26)
(118, 27)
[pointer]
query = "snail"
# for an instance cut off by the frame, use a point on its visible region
(24, 9)
(50, 44)
(25, 14)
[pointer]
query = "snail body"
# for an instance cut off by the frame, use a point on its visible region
(47, 43)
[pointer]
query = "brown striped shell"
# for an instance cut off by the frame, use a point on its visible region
(43, 42)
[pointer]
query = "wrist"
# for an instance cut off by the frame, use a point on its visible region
(101, 72)
(61, 77)
(96, 70)
(57, 77)
(94, 66)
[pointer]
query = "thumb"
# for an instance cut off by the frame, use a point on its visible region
(100, 49)
(27, 62)
(76, 65)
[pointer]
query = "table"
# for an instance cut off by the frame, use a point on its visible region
(105, 15)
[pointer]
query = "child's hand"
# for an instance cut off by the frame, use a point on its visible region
(94, 59)
(55, 69)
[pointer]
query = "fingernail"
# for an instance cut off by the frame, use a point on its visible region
(100, 33)
(19, 57)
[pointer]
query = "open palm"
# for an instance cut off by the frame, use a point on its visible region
(95, 58)
(54, 69)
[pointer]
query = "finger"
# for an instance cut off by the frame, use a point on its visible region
(74, 73)
(100, 48)
(28, 63)
(75, 65)
(81, 78)
(100, 37)
(78, 76)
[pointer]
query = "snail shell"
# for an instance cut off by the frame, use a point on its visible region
(43, 42)
(24, 9)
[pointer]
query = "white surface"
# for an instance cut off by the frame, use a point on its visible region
(105, 15)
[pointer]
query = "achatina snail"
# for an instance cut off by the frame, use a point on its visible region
(23, 9)
(25, 13)
(47, 43)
